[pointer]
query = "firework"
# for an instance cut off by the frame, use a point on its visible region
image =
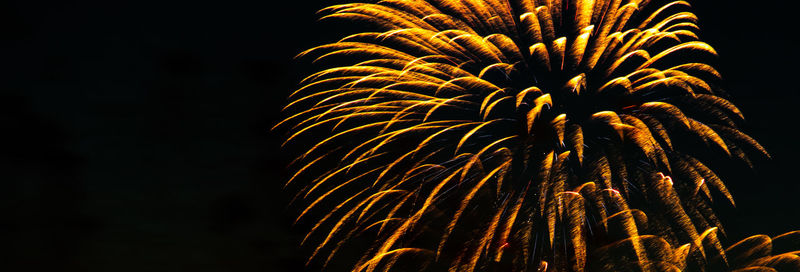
(529, 135)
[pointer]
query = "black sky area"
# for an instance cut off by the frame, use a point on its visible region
(136, 134)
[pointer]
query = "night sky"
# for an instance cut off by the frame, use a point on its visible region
(137, 133)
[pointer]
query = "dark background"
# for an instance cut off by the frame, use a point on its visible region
(136, 133)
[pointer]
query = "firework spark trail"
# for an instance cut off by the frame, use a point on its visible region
(528, 134)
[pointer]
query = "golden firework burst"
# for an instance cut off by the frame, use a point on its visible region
(527, 135)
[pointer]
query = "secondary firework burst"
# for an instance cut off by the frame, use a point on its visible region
(539, 135)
